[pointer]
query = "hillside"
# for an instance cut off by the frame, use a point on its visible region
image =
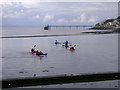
(107, 24)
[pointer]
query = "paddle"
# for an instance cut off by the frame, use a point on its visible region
(34, 45)
(74, 46)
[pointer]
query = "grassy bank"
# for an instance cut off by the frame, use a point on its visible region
(22, 82)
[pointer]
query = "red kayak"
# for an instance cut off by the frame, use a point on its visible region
(34, 52)
(72, 49)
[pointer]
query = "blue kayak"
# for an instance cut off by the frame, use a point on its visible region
(41, 54)
(57, 43)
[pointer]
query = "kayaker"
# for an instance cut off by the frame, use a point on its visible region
(37, 53)
(56, 42)
(32, 50)
(72, 48)
(66, 44)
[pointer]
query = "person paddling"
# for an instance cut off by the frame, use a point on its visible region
(56, 42)
(32, 50)
(66, 43)
(72, 47)
(37, 53)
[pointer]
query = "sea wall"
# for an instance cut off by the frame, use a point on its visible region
(61, 79)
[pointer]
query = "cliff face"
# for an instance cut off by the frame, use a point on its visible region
(110, 23)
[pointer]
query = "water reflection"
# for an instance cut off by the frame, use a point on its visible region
(72, 51)
(64, 46)
(41, 57)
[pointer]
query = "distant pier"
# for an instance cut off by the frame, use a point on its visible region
(49, 26)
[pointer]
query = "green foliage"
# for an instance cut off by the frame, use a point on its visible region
(97, 25)
(118, 17)
(109, 20)
(109, 23)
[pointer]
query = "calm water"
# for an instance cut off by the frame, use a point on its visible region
(93, 54)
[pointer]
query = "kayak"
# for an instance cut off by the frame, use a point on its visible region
(34, 52)
(42, 54)
(72, 49)
(57, 43)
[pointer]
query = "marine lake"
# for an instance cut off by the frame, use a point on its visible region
(93, 54)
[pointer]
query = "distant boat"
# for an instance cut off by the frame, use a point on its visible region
(46, 27)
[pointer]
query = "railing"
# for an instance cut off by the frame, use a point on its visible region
(48, 27)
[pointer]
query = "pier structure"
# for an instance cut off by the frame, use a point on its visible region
(49, 26)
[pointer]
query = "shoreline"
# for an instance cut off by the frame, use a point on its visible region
(54, 35)
(60, 79)
(103, 28)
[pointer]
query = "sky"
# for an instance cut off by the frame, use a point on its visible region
(39, 13)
